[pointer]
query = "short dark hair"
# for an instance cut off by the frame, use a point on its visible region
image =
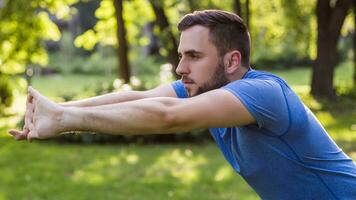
(227, 31)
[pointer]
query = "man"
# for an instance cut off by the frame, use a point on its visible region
(262, 128)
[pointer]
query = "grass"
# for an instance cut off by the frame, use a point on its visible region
(73, 84)
(59, 171)
(49, 170)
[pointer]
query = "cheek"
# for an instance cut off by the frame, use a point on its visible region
(202, 71)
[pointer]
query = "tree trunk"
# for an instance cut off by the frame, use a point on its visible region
(247, 17)
(237, 8)
(167, 36)
(122, 51)
(330, 21)
(354, 44)
(243, 13)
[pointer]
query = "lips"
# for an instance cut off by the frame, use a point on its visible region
(187, 80)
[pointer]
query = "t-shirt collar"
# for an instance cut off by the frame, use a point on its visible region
(247, 72)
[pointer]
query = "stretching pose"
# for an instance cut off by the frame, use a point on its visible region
(261, 126)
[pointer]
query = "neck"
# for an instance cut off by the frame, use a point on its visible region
(240, 72)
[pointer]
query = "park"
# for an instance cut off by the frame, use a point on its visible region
(75, 49)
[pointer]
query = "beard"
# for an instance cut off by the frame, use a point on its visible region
(218, 80)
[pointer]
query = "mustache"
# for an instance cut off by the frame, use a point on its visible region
(186, 79)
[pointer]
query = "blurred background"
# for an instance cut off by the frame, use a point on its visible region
(73, 49)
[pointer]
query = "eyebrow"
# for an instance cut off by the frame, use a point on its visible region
(190, 52)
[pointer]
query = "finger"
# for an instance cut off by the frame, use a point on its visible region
(29, 112)
(28, 119)
(29, 98)
(18, 135)
(34, 93)
(31, 126)
(32, 135)
(30, 107)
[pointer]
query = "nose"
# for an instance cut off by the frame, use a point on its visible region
(182, 68)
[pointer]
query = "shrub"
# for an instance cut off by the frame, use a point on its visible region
(6, 96)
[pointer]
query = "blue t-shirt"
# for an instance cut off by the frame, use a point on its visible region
(287, 154)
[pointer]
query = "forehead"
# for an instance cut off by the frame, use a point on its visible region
(195, 38)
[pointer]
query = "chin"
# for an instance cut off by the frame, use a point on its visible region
(191, 92)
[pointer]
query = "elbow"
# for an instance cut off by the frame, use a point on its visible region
(171, 121)
(171, 117)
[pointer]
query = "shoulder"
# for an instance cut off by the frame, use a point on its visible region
(259, 84)
(264, 97)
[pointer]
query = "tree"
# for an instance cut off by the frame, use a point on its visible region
(243, 13)
(24, 28)
(124, 68)
(330, 18)
(237, 7)
(167, 37)
(354, 8)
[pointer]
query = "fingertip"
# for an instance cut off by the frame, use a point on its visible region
(29, 138)
(17, 134)
(11, 132)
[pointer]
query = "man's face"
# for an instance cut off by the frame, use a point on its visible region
(200, 66)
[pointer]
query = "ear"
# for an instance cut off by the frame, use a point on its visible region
(232, 61)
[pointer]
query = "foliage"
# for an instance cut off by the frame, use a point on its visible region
(102, 61)
(136, 15)
(6, 96)
(291, 22)
(22, 35)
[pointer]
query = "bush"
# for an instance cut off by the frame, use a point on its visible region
(6, 96)
(96, 63)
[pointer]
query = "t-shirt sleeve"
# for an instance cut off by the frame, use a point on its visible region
(266, 102)
(178, 87)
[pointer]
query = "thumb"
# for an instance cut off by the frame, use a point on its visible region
(34, 93)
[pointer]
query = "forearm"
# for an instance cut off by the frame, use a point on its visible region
(134, 117)
(111, 98)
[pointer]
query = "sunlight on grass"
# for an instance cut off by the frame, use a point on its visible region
(80, 86)
(224, 173)
(91, 178)
(180, 165)
(132, 159)
(2, 196)
(326, 117)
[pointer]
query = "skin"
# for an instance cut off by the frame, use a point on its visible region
(158, 110)
(195, 55)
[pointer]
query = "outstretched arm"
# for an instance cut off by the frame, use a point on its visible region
(117, 97)
(217, 108)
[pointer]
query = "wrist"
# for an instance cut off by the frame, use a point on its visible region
(69, 119)
(59, 119)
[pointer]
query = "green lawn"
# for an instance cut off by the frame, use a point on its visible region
(57, 171)
(49, 170)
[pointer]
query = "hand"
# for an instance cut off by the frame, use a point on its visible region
(21, 135)
(42, 118)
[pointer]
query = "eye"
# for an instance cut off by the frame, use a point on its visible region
(179, 56)
(194, 56)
